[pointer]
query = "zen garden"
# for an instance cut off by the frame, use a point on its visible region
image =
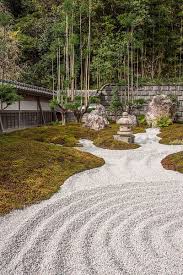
(91, 137)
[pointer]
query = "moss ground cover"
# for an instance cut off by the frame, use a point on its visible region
(32, 169)
(174, 162)
(173, 135)
(104, 139)
(70, 134)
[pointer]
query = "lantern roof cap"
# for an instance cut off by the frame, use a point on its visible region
(125, 119)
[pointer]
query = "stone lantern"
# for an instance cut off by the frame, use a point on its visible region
(125, 133)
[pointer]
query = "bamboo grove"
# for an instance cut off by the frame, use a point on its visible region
(83, 44)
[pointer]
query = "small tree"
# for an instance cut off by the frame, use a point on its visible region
(77, 106)
(132, 106)
(115, 105)
(8, 95)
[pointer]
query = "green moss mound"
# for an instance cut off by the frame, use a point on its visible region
(105, 139)
(172, 135)
(174, 162)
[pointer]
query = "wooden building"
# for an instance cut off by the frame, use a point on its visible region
(32, 110)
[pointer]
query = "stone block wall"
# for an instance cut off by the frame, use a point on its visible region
(147, 93)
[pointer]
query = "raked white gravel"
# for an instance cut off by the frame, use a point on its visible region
(123, 218)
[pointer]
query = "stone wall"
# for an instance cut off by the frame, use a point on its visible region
(147, 93)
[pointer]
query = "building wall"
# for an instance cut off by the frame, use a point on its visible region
(45, 105)
(25, 113)
(28, 103)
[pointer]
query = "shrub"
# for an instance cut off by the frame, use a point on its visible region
(174, 99)
(164, 122)
(115, 105)
(53, 104)
(142, 120)
(95, 100)
(139, 102)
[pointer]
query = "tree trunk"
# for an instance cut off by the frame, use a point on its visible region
(67, 54)
(153, 56)
(142, 61)
(89, 48)
(128, 66)
(132, 71)
(181, 34)
(81, 58)
(137, 71)
(72, 65)
(1, 125)
(53, 79)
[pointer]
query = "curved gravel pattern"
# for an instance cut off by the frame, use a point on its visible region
(123, 218)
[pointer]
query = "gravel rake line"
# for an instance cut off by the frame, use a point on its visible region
(109, 205)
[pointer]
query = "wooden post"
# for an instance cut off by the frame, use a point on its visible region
(19, 118)
(40, 108)
(1, 125)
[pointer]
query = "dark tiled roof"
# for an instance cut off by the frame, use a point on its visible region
(29, 89)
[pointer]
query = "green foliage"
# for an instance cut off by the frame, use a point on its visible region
(149, 30)
(164, 122)
(174, 99)
(136, 104)
(77, 104)
(115, 104)
(142, 120)
(53, 103)
(8, 94)
(94, 100)
(139, 102)
(5, 19)
(55, 123)
(122, 82)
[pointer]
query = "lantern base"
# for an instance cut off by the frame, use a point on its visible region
(125, 138)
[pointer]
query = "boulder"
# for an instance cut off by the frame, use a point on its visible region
(97, 119)
(160, 106)
(96, 122)
(100, 111)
